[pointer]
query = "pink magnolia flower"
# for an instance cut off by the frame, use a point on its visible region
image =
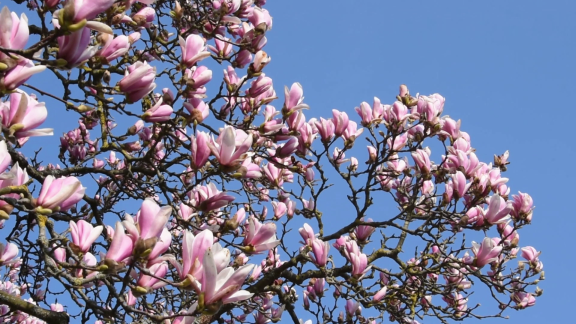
(340, 120)
(530, 254)
(307, 234)
(84, 234)
(208, 198)
(223, 48)
(197, 76)
(351, 133)
(74, 48)
(193, 49)
(261, 59)
(144, 17)
(260, 86)
(220, 287)
(231, 147)
(200, 150)
(158, 113)
(279, 209)
(261, 19)
(5, 159)
(158, 270)
(19, 74)
(288, 148)
(138, 81)
(198, 109)
(460, 185)
(363, 232)
(161, 246)
(380, 294)
(121, 246)
(486, 252)
(8, 253)
(293, 101)
(15, 177)
(193, 251)
(365, 112)
(114, 47)
(422, 160)
(325, 129)
(522, 206)
(13, 31)
(57, 307)
(523, 299)
(59, 194)
(259, 238)
(352, 308)
(22, 114)
(431, 106)
(79, 10)
(146, 228)
(498, 210)
(319, 254)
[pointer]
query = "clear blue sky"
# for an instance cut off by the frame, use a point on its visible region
(506, 68)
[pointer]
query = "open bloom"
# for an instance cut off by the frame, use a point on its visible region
(208, 198)
(22, 114)
(146, 228)
(231, 148)
(258, 237)
(16, 76)
(486, 252)
(60, 194)
(498, 210)
(84, 234)
(220, 287)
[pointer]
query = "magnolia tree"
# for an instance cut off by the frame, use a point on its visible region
(182, 205)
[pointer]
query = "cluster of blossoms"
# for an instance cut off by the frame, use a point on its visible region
(222, 176)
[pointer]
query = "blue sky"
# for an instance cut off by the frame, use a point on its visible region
(507, 71)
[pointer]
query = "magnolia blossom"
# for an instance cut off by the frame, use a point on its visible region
(74, 48)
(19, 74)
(114, 47)
(138, 81)
(22, 114)
(231, 147)
(486, 252)
(8, 253)
(84, 234)
(121, 246)
(220, 287)
(193, 49)
(208, 198)
(13, 31)
(145, 229)
(79, 10)
(59, 194)
(258, 237)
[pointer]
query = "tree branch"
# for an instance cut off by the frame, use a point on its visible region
(16, 303)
